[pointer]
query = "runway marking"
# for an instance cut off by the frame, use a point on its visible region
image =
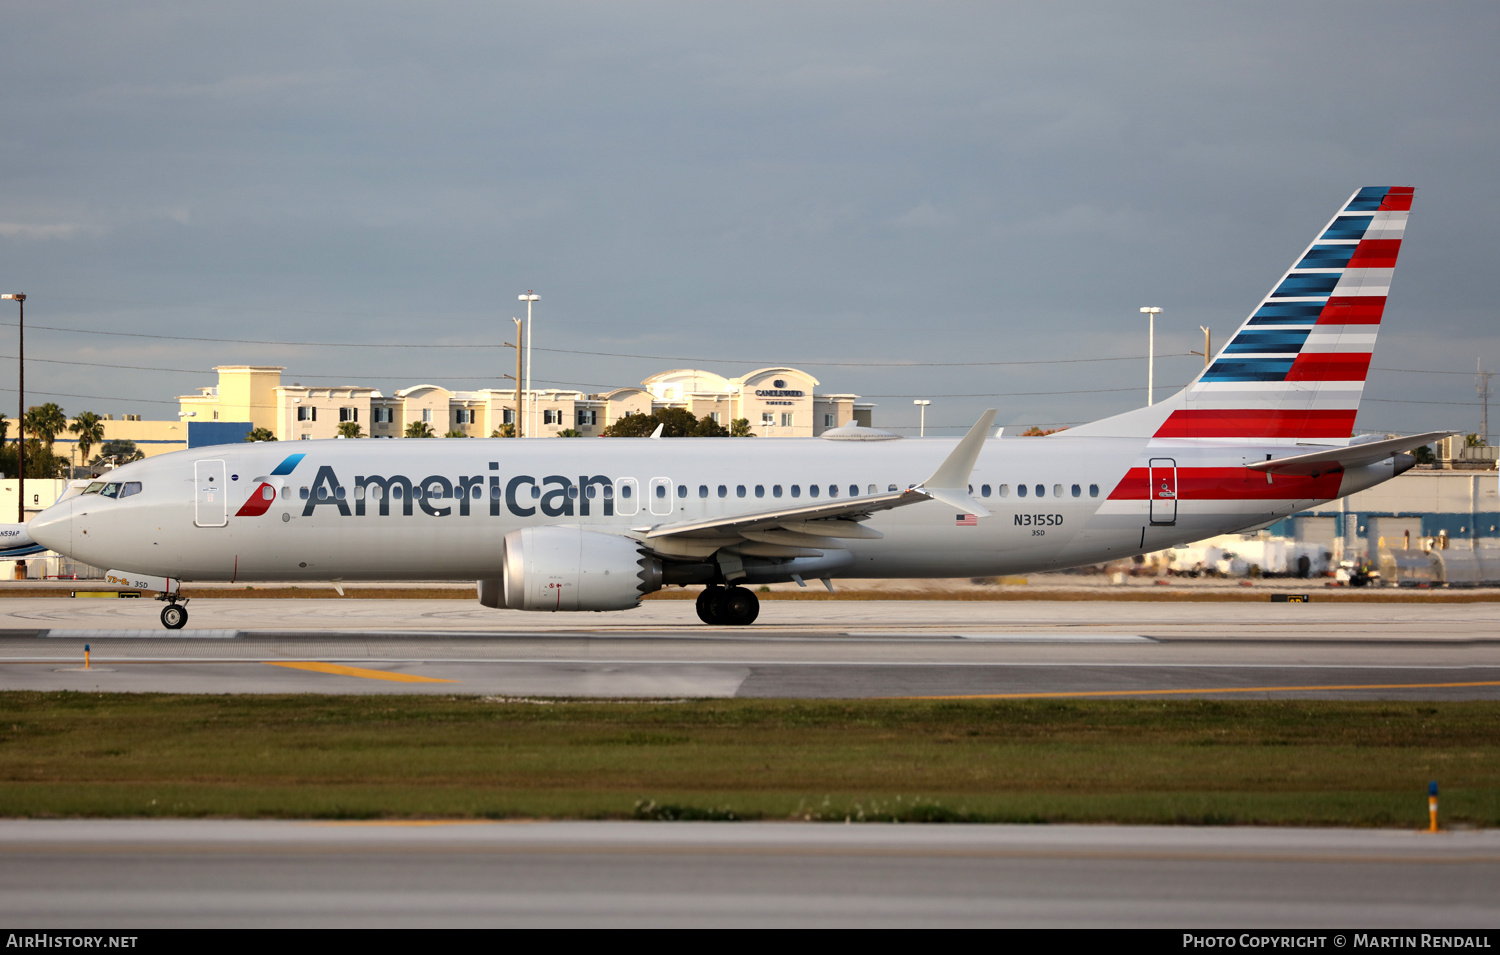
(340, 670)
(1225, 689)
(245, 847)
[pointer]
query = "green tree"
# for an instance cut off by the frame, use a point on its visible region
(709, 428)
(90, 430)
(504, 431)
(1424, 455)
(260, 434)
(4, 428)
(40, 463)
(1037, 431)
(740, 428)
(419, 429)
(46, 422)
(569, 433)
(1473, 441)
(119, 451)
(350, 429)
(675, 423)
(452, 433)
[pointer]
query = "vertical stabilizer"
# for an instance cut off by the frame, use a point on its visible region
(1296, 368)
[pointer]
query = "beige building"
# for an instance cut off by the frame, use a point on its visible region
(778, 402)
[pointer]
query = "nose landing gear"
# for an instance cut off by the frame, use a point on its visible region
(174, 615)
(728, 606)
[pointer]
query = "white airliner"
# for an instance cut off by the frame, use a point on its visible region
(556, 525)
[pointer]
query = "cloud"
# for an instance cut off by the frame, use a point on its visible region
(924, 215)
(46, 230)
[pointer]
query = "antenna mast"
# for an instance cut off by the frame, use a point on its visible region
(1482, 386)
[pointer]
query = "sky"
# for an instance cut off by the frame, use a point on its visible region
(965, 202)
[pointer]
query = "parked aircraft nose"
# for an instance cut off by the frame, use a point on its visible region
(53, 528)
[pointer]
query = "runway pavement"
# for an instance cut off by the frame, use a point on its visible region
(122, 874)
(796, 649)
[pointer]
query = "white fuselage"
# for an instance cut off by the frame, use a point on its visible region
(192, 517)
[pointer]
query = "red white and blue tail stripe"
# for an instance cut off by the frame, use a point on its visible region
(1297, 367)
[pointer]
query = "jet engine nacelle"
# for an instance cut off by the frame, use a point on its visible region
(566, 568)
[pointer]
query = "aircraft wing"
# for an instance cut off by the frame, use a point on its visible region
(1352, 456)
(801, 530)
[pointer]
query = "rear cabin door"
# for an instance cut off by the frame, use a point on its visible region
(1163, 491)
(211, 497)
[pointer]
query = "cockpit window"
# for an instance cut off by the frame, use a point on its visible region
(94, 488)
(131, 487)
(112, 489)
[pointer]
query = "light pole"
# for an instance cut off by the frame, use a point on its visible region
(520, 341)
(20, 299)
(922, 403)
(528, 298)
(1151, 352)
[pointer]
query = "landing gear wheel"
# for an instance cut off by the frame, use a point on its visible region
(738, 607)
(708, 602)
(173, 616)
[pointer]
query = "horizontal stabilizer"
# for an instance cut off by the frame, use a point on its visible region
(1353, 456)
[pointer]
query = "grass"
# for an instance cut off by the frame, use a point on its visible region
(1181, 761)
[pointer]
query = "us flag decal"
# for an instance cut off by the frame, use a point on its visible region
(967, 520)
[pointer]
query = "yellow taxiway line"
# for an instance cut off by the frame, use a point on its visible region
(1216, 689)
(340, 670)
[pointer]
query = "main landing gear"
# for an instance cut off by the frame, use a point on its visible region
(174, 614)
(728, 606)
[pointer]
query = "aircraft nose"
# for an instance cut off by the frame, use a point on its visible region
(53, 528)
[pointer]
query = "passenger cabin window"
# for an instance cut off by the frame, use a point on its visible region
(681, 490)
(661, 491)
(1057, 490)
(984, 490)
(796, 490)
(760, 490)
(724, 491)
(302, 493)
(739, 490)
(1077, 491)
(1041, 490)
(703, 490)
(776, 490)
(1020, 490)
(1004, 490)
(1093, 490)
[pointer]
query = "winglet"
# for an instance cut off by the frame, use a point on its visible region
(657, 432)
(950, 482)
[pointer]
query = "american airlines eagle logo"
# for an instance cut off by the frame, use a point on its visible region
(266, 488)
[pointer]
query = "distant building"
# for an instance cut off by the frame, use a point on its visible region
(779, 402)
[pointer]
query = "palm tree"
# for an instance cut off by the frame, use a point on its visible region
(419, 429)
(260, 434)
(90, 430)
(4, 427)
(350, 429)
(455, 433)
(45, 422)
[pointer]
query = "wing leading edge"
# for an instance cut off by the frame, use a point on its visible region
(805, 530)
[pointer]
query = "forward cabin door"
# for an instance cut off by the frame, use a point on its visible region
(211, 497)
(1163, 491)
